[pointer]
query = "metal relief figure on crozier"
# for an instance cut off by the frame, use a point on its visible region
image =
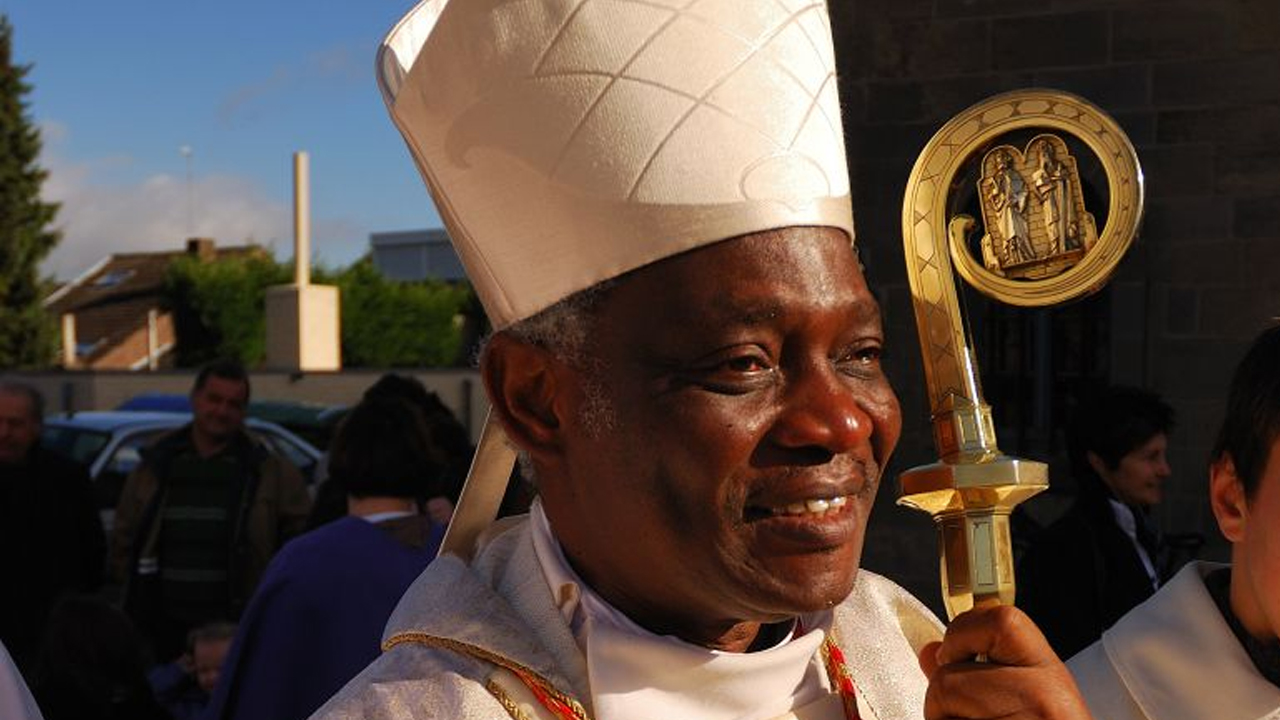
(1035, 221)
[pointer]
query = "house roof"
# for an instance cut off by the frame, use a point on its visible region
(111, 299)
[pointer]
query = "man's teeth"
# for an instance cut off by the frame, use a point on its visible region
(817, 506)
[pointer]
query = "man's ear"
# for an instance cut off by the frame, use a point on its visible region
(1226, 495)
(522, 383)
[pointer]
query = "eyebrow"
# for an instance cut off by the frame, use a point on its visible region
(727, 311)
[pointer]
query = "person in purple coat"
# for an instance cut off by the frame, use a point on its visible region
(317, 618)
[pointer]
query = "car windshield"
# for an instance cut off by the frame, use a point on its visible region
(80, 444)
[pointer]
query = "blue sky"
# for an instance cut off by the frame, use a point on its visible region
(121, 87)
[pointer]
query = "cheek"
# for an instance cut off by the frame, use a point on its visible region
(1266, 572)
(881, 404)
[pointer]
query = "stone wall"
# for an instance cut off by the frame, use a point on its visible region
(1196, 85)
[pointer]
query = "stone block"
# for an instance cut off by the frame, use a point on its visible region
(893, 141)
(1255, 25)
(1237, 311)
(1200, 263)
(985, 8)
(1187, 219)
(1046, 41)
(1253, 124)
(866, 11)
(1177, 31)
(1258, 217)
(1114, 87)
(1177, 170)
(1248, 170)
(853, 102)
(1135, 267)
(1129, 316)
(1182, 311)
(1139, 125)
(1236, 81)
(303, 328)
(852, 43)
(1260, 260)
(890, 102)
(924, 48)
(946, 97)
(1192, 365)
(1065, 5)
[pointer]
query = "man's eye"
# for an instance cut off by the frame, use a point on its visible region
(734, 372)
(745, 364)
(862, 358)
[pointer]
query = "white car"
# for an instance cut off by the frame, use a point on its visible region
(110, 445)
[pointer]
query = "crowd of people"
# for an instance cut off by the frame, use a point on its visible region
(228, 606)
(687, 363)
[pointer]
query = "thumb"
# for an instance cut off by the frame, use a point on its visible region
(928, 658)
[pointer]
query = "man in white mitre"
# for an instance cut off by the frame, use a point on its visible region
(651, 199)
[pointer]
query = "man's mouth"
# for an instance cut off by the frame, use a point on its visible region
(809, 509)
(817, 507)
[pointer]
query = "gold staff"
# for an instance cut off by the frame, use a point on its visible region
(1040, 247)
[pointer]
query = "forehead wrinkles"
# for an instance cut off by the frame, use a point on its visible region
(727, 311)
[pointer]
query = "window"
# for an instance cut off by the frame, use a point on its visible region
(112, 278)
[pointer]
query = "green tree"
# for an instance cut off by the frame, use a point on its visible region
(387, 323)
(26, 236)
(219, 306)
(219, 310)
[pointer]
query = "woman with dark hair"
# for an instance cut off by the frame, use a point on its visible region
(451, 451)
(1102, 557)
(317, 618)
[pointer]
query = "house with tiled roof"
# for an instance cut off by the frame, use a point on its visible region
(113, 315)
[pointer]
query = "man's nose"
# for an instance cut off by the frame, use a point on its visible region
(823, 410)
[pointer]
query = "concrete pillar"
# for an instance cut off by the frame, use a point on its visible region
(69, 359)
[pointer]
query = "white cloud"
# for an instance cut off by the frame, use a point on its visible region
(325, 67)
(100, 216)
(159, 213)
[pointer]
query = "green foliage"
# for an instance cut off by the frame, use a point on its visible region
(219, 307)
(27, 337)
(387, 323)
(219, 310)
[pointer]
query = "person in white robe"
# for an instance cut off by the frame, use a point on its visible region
(16, 702)
(652, 202)
(1206, 646)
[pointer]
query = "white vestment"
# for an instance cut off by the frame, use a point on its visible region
(1174, 658)
(16, 702)
(461, 631)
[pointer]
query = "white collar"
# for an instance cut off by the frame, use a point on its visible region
(637, 675)
(1179, 659)
(1128, 523)
(378, 517)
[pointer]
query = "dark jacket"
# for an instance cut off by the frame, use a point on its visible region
(273, 508)
(1080, 575)
(51, 543)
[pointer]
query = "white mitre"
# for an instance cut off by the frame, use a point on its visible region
(566, 142)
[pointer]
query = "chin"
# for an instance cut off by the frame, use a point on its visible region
(813, 589)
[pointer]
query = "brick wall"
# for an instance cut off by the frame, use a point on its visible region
(1196, 85)
(133, 349)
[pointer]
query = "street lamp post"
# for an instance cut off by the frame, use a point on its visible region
(186, 152)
